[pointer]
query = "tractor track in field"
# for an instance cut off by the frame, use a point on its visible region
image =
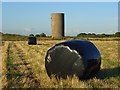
(24, 66)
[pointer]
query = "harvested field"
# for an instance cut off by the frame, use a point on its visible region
(23, 66)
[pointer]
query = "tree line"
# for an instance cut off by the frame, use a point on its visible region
(38, 35)
(93, 35)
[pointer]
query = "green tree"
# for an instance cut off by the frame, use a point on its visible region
(42, 35)
(117, 34)
(81, 34)
(31, 35)
(37, 35)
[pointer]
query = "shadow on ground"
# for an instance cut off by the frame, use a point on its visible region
(108, 73)
(45, 44)
(42, 44)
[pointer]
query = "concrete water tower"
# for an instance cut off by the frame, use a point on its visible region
(57, 25)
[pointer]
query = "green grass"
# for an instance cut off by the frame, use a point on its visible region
(8, 62)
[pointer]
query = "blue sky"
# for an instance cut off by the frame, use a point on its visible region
(35, 17)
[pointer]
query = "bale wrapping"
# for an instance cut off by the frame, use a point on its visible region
(74, 57)
(32, 40)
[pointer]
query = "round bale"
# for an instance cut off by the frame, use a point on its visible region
(32, 40)
(73, 57)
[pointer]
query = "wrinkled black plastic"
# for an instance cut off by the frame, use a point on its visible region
(61, 62)
(32, 40)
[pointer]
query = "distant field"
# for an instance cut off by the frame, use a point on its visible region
(23, 66)
(25, 38)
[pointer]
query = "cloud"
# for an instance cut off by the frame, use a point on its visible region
(28, 30)
(72, 32)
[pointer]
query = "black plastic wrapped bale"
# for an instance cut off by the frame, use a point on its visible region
(74, 57)
(32, 40)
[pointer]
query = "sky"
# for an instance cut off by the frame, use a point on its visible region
(80, 17)
(60, 0)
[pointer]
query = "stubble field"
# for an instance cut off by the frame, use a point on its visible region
(23, 66)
